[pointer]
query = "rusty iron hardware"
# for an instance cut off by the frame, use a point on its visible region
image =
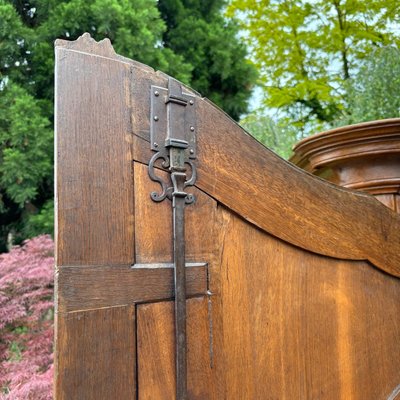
(173, 138)
(178, 108)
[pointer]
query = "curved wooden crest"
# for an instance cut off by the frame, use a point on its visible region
(262, 188)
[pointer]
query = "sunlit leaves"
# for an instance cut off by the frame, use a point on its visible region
(374, 91)
(279, 137)
(307, 49)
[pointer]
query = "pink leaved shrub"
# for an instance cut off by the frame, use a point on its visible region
(26, 321)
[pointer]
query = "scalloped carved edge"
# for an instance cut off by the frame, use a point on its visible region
(104, 48)
(87, 44)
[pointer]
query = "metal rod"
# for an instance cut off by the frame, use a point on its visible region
(172, 131)
(180, 296)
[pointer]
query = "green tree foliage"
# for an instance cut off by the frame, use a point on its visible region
(374, 91)
(277, 136)
(189, 40)
(26, 161)
(198, 32)
(307, 49)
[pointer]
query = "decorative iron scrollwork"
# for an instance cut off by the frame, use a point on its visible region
(167, 187)
(172, 137)
(163, 155)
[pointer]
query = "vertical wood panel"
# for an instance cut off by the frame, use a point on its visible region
(153, 225)
(94, 198)
(296, 325)
(95, 354)
(369, 308)
(156, 358)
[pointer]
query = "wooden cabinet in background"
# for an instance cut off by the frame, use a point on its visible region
(362, 157)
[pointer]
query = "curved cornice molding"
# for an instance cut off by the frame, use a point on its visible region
(348, 142)
(362, 157)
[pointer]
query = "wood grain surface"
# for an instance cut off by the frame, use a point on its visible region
(153, 227)
(364, 157)
(94, 189)
(295, 325)
(290, 204)
(156, 358)
(89, 287)
(95, 356)
(293, 310)
(389, 200)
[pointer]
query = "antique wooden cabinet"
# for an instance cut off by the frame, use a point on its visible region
(292, 283)
(363, 157)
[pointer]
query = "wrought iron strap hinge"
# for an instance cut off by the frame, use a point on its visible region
(173, 138)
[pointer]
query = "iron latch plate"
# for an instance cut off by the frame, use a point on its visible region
(160, 122)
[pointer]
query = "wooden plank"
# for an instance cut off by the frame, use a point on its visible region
(289, 203)
(153, 241)
(156, 365)
(94, 177)
(295, 325)
(96, 355)
(88, 287)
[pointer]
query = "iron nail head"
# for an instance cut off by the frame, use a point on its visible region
(155, 118)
